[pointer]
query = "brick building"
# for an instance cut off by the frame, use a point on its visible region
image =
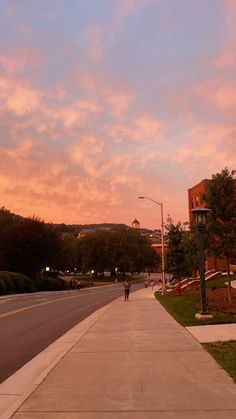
(195, 200)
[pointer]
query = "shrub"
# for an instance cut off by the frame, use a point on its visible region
(8, 287)
(2, 287)
(53, 284)
(22, 282)
(15, 282)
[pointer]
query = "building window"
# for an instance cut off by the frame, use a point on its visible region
(197, 201)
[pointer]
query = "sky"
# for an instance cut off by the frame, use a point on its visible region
(102, 101)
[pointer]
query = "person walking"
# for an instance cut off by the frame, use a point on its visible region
(146, 283)
(152, 283)
(127, 286)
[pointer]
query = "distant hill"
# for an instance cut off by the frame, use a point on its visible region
(76, 228)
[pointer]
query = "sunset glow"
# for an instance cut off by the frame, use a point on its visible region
(103, 101)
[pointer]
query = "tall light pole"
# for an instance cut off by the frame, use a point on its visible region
(162, 243)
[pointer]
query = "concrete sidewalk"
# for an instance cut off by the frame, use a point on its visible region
(128, 360)
(213, 332)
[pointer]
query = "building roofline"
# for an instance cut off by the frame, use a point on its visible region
(199, 183)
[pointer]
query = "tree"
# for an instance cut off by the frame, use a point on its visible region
(133, 252)
(6, 217)
(96, 252)
(29, 246)
(180, 250)
(221, 226)
(120, 247)
(71, 252)
(191, 249)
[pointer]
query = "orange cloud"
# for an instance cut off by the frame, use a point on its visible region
(119, 103)
(220, 93)
(21, 151)
(18, 98)
(145, 128)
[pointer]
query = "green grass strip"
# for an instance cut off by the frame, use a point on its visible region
(184, 307)
(225, 354)
(219, 282)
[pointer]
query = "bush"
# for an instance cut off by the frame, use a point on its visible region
(15, 282)
(22, 282)
(8, 287)
(53, 284)
(2, 287)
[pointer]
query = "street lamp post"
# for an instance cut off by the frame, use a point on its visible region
(162, 243)
(200, 219)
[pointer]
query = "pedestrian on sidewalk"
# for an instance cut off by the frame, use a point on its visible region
(152, 283)
(127, 286)
(146, 283)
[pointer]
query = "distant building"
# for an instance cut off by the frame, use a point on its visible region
(95, 227)
(84, 231)
(135, 224)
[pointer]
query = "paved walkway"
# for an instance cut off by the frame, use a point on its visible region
(128, 360)
(213, 333)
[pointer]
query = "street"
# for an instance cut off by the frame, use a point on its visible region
(31, 322)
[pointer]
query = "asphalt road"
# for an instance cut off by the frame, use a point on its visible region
(31, 322)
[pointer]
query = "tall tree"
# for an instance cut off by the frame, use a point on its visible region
(71, 252)
(221, 227)
(29, 246)
(133, 251)
(180, 259)
(96, 252)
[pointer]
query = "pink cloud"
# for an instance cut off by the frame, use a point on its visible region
(144, 128)
(124, 8)
(23, 100)
(84, 146)
(17, 96)
(16, 59)
(206, 146)
(221, 93)
(20, 151)
(119, 102)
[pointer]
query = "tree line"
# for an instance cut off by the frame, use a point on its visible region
(30, 245)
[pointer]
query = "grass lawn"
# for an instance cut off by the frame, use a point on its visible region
(184, 307)
(225, 354)
(217, 282)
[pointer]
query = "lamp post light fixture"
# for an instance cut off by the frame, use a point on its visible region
(162, 243)
(200, 221)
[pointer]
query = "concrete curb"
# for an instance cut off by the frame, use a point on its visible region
(19, 386)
